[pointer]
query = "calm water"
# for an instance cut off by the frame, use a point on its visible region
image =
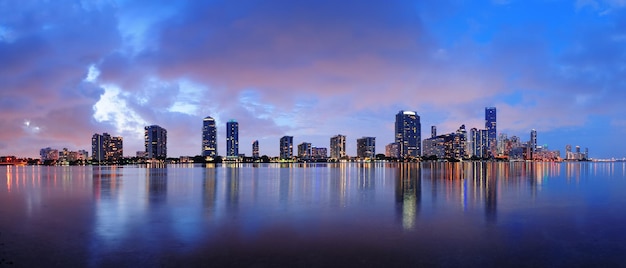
(360, 215)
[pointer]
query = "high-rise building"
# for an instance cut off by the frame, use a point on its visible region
(304, 150)
(490, 126)
(478, 142)
(433, 131)
(232, 139)
(533, 141)
(255, 149)
(209, 137)
(319, 152)
(366, 148)
(451, 145)
(155, 141)
(392, 150)
(338, 146)
(49, 154)
(408, 133)
(459, 143)
(286, 147)
(106, 148)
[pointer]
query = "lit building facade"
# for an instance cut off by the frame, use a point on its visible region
(366, 148)
(533, 143)
(232, 139)
(155, 142)
(490, 126)
(319, 152)
(392, 150)
(105, 148)
(209, 137)
(305, 150)
(338, 147)
(478, 139)
(49, 154)
(408, 133)
(451, 145)
(286, 148)
(255, 149)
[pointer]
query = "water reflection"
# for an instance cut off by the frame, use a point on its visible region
(156, 185)
(141, 212)
(408, 193)
(209, 186)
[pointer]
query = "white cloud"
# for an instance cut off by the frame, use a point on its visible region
(113, 108)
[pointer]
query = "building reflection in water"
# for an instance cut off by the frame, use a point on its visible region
(285, 184)
(338, 184)
(107, 182)
(232, 187)
(408, 193)
(366, 182)
(488, 173)
(209, 186)
(156, 185)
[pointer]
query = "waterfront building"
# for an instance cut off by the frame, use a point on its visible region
(533, 143)
(232, 139)
(490, 126)
(255, 149)
(408, 133)
(106, 148)
(286, 148)
(209, 137)
(49, 154)
(319, 152)
(155, 142)
(451, 146)
(503, 143)
(392, 150)
(435, 147)
(305, 150)
(366, 148)
(338, 147)
(478, 142)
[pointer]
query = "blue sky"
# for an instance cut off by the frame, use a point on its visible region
(309, 69)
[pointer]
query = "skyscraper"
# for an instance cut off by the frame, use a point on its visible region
(155, 141)
(533, 140)
(286, 147)
(106, 148)
(408, 133)
(338, 147)
(433, 131)
(232, 139)
(490, 126)
(209, 137)
(255, 149)
(366, 147)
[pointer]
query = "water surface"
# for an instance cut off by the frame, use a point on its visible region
(349, 214)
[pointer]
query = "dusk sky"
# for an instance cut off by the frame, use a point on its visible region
(309, 69)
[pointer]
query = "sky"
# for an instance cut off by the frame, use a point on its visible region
(309, 69)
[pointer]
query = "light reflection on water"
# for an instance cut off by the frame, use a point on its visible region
(243, 213)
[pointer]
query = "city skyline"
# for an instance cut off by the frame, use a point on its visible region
(292, 68)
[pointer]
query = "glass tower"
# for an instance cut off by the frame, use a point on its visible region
(255, 149)
(232, 138)
(209, 137)
(408, 134)
(490, 126)
(155, 141)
